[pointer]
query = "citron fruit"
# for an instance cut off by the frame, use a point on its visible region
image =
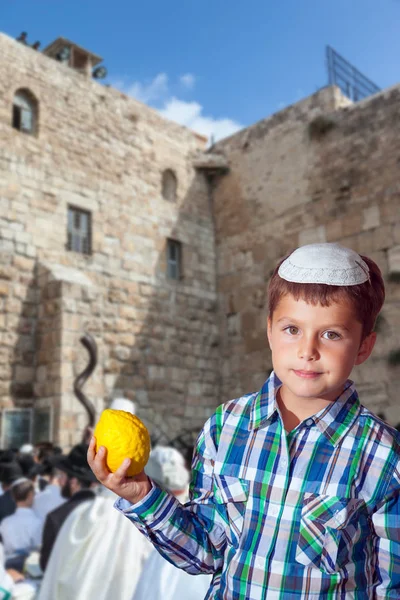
(124, 436)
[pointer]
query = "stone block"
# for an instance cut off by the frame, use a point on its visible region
(370, 217)
(312, 235)
(394, 260)
(4, 289)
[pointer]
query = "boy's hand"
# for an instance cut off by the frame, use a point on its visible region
(132, 489)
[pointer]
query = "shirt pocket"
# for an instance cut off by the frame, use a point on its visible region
(329, 526)
(230, 496)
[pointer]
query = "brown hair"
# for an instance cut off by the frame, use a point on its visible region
(21, 491)
(367, 298)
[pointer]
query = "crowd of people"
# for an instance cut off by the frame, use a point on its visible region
(59, 529)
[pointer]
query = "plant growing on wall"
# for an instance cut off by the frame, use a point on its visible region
(320, 126)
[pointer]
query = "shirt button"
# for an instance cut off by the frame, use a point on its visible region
(274, 510)
(309, 422)
(283, 462)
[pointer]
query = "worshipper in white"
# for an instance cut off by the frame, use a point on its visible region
(96, 555)
(161, 580)
(77, 481)
(50, 498)
(21, 532)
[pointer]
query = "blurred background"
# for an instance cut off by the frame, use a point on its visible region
(155, 162)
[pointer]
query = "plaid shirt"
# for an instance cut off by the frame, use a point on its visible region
(310, 514)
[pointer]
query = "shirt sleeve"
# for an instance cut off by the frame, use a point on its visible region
(386, 524)
(191, 536)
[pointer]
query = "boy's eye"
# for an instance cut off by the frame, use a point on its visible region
(292, 330)
(331, 335)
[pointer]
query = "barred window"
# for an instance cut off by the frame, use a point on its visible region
(174, 259)
(25, 112)
(16, 427)
(169, 185)
(79, 230)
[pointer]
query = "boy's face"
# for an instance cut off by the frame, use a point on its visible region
(314, 348)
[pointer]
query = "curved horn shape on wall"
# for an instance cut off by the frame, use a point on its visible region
(90, 344)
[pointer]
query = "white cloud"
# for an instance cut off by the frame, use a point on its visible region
(191, 115)
(157, 94)
(187, 80)
(147, 92)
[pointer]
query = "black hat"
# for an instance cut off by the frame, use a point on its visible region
(7, 456)
(75, 464)
(9, 472)
(46, 467)
(26, 463)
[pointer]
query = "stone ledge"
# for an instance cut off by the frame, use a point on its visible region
(211, 163)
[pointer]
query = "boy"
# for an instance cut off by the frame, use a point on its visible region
(295, 489)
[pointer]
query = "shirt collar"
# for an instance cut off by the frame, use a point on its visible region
(264, 404)
(23, 510)
(334, 421)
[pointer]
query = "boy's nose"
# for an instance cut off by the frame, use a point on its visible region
(308, 350)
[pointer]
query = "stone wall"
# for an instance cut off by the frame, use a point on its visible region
(104, 152)
(320, 170)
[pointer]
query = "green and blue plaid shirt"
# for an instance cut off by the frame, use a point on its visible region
(310, 514)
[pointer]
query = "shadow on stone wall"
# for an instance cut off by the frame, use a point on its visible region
(21, 319)
(166, 358)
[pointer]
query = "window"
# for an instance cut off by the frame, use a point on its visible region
(169, 185)
(79, 230)
(16, 427)
(25, 112)
(174, 259)
(42, 425)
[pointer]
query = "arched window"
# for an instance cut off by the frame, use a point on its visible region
(25, 112)
(169, 185)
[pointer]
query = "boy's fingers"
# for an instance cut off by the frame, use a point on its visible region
(91, 453)
(99, 465)
(121, 472)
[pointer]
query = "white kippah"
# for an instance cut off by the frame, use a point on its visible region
(331, 264)
(20, 480)
(123, 404)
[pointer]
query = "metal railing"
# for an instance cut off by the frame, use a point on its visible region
(350, 80)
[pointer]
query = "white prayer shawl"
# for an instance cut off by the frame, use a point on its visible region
(21, 531)
(47, 500)
(160, 580)
(98, 555)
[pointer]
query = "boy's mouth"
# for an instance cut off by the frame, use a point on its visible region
(307, 374)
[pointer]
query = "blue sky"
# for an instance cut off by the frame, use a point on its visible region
(218, 65)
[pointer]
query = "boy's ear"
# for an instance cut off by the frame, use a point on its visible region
(366, 348)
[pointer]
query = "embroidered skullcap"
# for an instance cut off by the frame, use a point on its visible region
(331, 264)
